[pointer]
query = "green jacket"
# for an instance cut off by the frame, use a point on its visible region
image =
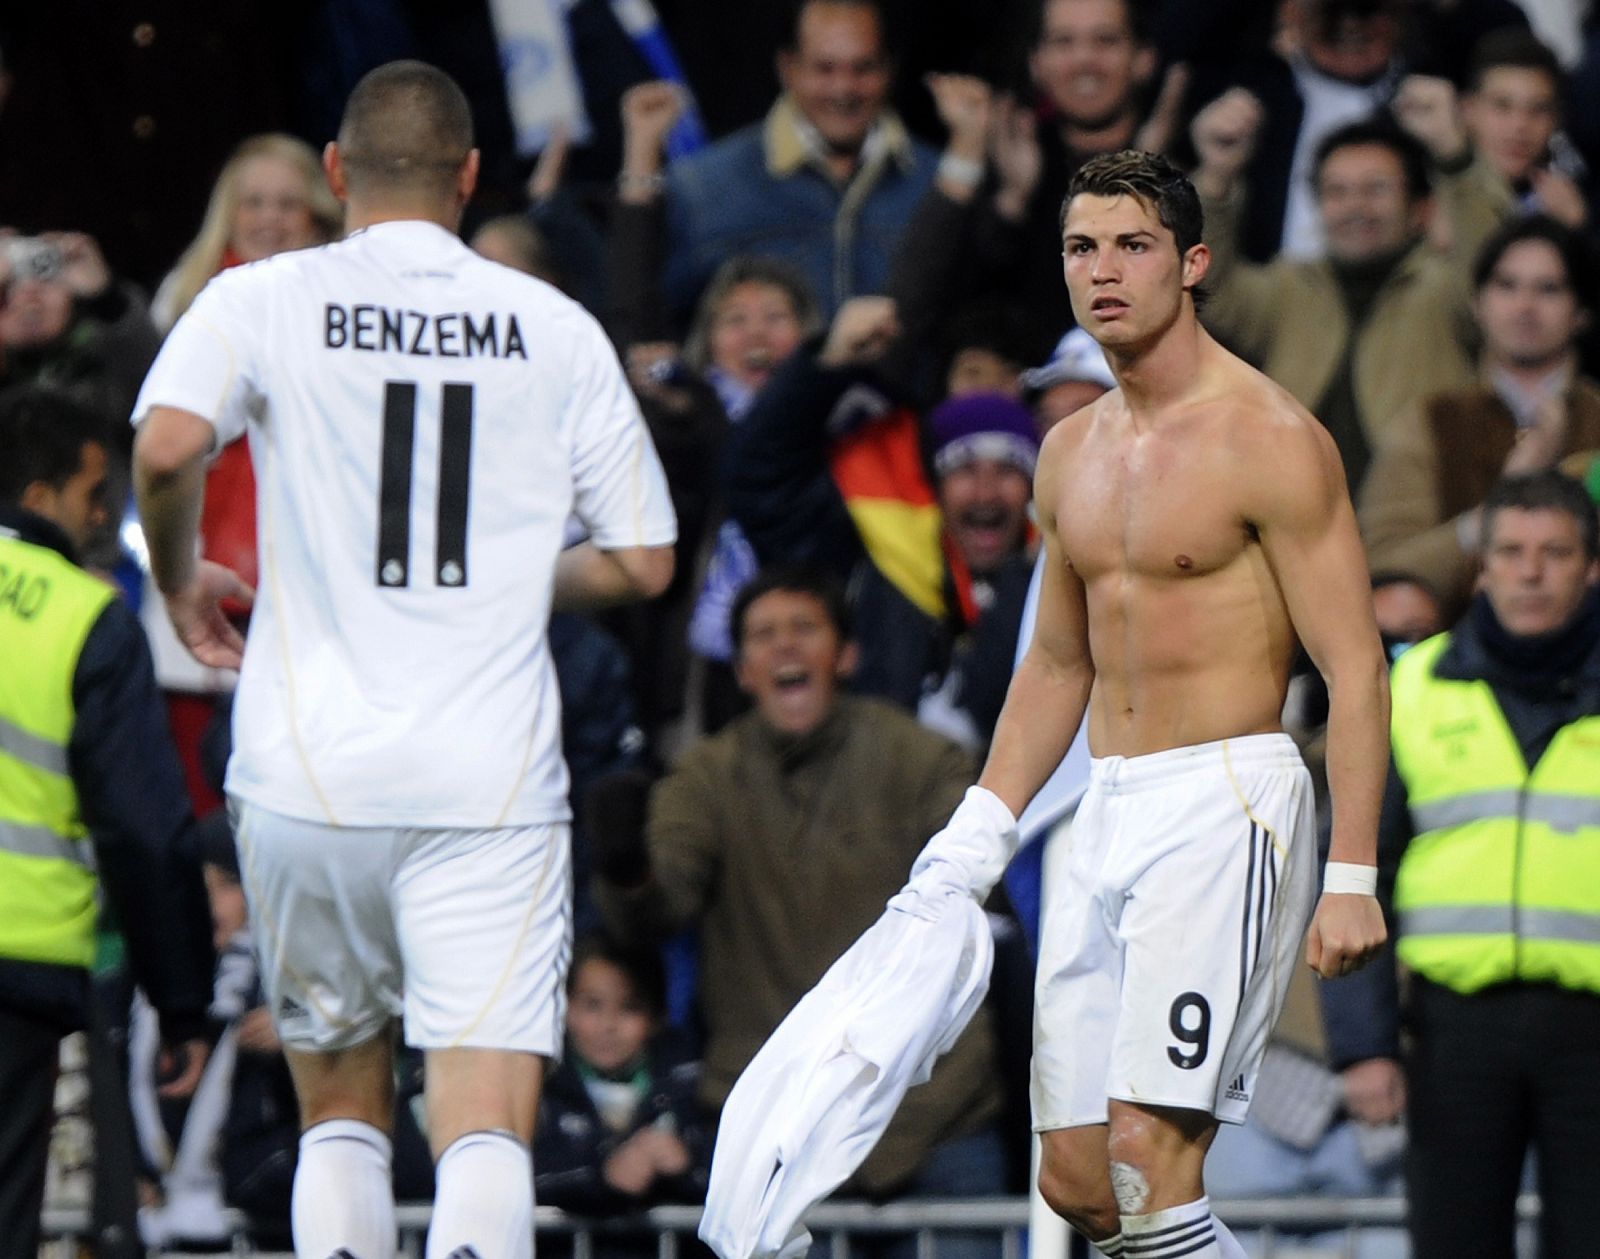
(782, 851)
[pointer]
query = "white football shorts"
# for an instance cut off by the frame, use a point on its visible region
(1171, 928)
(465, 933)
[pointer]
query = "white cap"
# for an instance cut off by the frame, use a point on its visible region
(1077, 356)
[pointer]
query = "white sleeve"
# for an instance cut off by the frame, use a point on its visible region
(620, 491)
(207, 363)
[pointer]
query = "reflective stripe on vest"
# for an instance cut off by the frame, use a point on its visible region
(40, 841)
(1542, 924)
(41, 753)
(47, 884)
(1502, 880)
(1560, 813)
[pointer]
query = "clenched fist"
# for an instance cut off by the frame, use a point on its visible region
(1224, 135)
(1346, 931)
(861, 332)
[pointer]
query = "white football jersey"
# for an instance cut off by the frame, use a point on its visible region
(422, 421)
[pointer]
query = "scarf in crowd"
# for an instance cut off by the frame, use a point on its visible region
(1538, 661)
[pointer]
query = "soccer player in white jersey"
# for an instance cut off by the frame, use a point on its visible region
(423, 421)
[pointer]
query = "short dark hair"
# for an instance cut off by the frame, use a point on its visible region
(1577, 258)
(406, 126)
(1549, 490)
(1328, 14)
(42, 434)
(1135, 12)
(1512, 47)
(1386, 577)
(1149, 178)
(791, 39)
(1385, 134)
(641, 964)
(986, 323)
(803, 579)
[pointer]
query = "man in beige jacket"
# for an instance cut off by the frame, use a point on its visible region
(1380, 322)
(1529, 410)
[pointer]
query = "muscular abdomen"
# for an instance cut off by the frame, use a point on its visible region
(1186, 658)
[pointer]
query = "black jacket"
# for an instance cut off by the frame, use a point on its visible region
(573, 1142)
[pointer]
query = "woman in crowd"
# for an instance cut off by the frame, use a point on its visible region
(270, 197)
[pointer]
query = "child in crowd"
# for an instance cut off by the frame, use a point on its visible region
(619, 1126)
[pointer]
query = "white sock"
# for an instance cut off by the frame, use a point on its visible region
(1110, 1246)
(343, 1201)
(1189, 1230)
(483, 1202)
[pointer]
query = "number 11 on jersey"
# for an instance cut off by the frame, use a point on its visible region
(394, 484)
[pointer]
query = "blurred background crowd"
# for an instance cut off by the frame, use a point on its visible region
(824, 239)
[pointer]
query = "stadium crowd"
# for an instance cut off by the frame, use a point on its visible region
(833, 276)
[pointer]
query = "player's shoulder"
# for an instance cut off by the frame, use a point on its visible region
(1281, 458)
(246, 279)
(1260, 411)
(1068, 434)
(555, 311)
(233, 302)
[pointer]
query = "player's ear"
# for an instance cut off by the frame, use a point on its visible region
(467, 180)
(849, 659)
(1196, 262)
(333, 166)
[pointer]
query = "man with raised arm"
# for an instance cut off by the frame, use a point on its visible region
(424, 422)
(1196, 527)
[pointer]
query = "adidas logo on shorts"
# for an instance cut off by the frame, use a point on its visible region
(290, 1009)
(463, 1252)
(1236, 1092)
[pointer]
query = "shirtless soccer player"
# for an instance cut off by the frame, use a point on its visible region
(1196, 525)
(423, 423)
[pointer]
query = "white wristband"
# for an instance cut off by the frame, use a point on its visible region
(1347, 878)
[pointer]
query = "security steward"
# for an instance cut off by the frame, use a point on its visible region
(1491, 838)
(91, 797)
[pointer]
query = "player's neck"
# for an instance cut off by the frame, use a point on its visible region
(1162, 371)
(368, 214)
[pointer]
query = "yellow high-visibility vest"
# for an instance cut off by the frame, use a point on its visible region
(48, 605)
(1502, 881)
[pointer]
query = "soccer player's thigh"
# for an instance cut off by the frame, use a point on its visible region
(330, 963)
(485, 929)
(1078, 983)
(1211, 931)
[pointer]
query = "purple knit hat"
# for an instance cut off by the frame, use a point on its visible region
(983, 426)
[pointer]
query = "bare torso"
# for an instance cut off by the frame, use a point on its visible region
(1187, 626)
